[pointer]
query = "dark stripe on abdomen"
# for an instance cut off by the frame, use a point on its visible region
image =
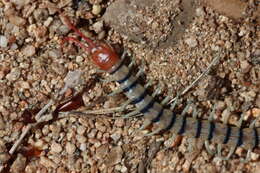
(256, 142)
(140, 98)
(171, 123)
(183, 125)
(198, 128)
(157, 118)
(228, 133)
(132, 85)
(211, 130)
(125, 78)
(147, 107)
(240, 137)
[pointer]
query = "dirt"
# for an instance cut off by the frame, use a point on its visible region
(173, 41)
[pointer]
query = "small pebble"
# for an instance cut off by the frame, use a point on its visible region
(200, 11)
(2, 123)
(98, 26)
(191, 42)
(102, 151)
(47, 162)
(24, 84)
(254, 156)
(92, 133)
(123, 169)
(29, 50)
(116, 136)
(70, 148)
(245, 66)
(4, 156)
(16, 20)
(19, 164)
(14, 46)
(81, 139)
(96, 9)
(119, 122)
(115, 156)
(3, 41)
(55, 53)
(14, 74)
(79, 59)
(48, 21)
(56, 147)
(83, 147)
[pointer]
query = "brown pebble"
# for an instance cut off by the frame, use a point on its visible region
(19, 164)
(29, 50)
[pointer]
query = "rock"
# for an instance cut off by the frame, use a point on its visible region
(96, 9)
(47, 162)
(24, 85)
(2, 124)
(191, 42)
(119, 122)
(92, 133)
(81, 139)
(102, 151)
(19, 3)
(56, 147)
(19, 164)
(245, 66)
(14, 74)
(98, 26)
(115, 156)
(116, 136)
(3, 41)
(136, 21)
(83, 147)
(16, 20)
(81, 130)
(70, 148)
(231, 8)
(29, 50)
(4, 157)
(79, 59)
(55, 53)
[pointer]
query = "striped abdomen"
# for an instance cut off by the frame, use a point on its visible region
(165, 119)
(106, 59)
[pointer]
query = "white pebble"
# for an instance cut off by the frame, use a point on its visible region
(3, 41)
(98, 26)
(79, 59)
(191, 42)
(83, 147)
(48, 22)
(96, 9)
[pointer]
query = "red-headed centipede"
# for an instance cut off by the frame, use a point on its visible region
(105, 57)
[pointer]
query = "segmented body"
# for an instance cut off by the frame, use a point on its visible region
(154, 112)
(166, 120)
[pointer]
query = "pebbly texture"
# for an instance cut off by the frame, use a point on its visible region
(32, 69)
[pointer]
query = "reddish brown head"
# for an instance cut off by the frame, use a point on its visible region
(104, 57)
(102, 54)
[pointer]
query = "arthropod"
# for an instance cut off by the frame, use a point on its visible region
(104, 56)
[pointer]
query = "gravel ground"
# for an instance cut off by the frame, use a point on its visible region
(33, 67)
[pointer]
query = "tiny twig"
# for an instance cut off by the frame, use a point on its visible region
(91, 112)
